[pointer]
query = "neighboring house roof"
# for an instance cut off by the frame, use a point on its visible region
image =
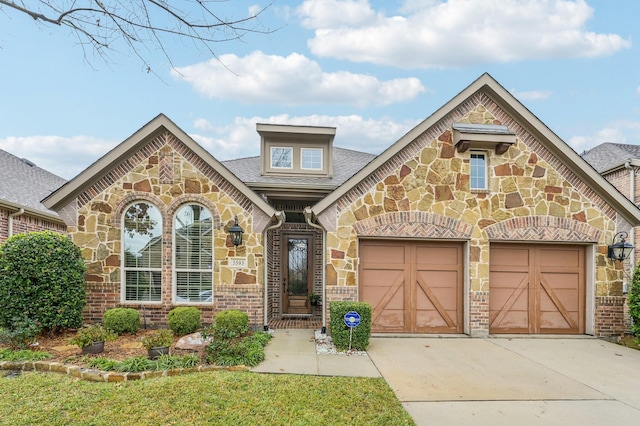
(488, 86)
(346, 163)
(609, 156)
(23, 185)
(161, 123)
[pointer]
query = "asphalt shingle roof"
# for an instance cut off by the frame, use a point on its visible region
(25, 184)
(608, 155)
(346, 163)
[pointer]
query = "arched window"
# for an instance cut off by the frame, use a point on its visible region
(142, 253)
(193, 255)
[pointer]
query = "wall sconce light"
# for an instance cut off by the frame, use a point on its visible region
(622, 249)
(236, 233)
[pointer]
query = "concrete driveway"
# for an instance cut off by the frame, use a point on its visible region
(507, 381)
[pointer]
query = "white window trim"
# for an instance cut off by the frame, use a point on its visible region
(486, 171)
(288, 148)
(124, 269)
(175, 269)
(302, 150)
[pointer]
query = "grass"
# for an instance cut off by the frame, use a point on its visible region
(216, 398)
(22, 355)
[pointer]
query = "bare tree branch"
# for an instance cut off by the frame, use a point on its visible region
(143, 25)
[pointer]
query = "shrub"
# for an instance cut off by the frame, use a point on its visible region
(122, 320)
(340, 332)
(157, 339)
(247, 351)
(633, 300)
(230, 323)
(91, 334)
(20, 333)
(42, 278)
(184, 320)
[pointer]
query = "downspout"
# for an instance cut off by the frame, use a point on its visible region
(10, 221)
(632, 197)
(308, 216)
(280, 216)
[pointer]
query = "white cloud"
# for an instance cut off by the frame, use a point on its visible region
(292, 80)
(334, 13)
(456, 33)
(69, 156)
(532, 95)
(352, 131)
(62, 156)
(622, 131)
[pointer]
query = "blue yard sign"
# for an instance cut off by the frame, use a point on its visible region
(352, 319)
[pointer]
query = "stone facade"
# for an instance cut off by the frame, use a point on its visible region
(166, 173)
(424, 192)
(419, 189)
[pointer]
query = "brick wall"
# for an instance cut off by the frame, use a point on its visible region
(609, 316)
(479, 313)
(27, 223)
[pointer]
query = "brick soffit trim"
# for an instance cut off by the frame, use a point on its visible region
(543, 228)
(413, 224)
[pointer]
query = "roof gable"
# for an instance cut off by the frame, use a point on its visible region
(75, 187)
(441, 121)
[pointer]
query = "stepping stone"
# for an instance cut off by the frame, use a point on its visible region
(65, 348)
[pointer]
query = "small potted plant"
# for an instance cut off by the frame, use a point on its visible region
(315, 299)
(91, 338)
(158, 342)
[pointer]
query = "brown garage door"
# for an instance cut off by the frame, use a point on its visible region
(413, 287)
(537, 289)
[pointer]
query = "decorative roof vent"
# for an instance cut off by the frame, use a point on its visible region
(484, 136)
(27, 162)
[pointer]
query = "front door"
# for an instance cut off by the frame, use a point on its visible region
(297, 276)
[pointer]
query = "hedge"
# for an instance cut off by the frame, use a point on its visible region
(339, 330)
(42, 278)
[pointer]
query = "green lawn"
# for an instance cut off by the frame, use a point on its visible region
(219, 398)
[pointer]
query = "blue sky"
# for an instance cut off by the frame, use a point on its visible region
(373, 69)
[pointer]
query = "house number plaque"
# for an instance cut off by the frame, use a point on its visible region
(237, 262)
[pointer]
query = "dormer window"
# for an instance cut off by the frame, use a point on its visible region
(296, 150)
(281, 157)
(311, 158)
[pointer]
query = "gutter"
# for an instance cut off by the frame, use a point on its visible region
(281, 217)
(632, 197)
(308, 214)
(10, 221)
(50, 216)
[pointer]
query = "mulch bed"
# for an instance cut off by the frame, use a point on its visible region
(125, 346)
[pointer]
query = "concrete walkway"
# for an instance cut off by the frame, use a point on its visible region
(493, 381)
(294, 352)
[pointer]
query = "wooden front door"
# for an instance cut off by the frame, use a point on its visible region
(297, 267)
(412, 286)
(537, 289)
